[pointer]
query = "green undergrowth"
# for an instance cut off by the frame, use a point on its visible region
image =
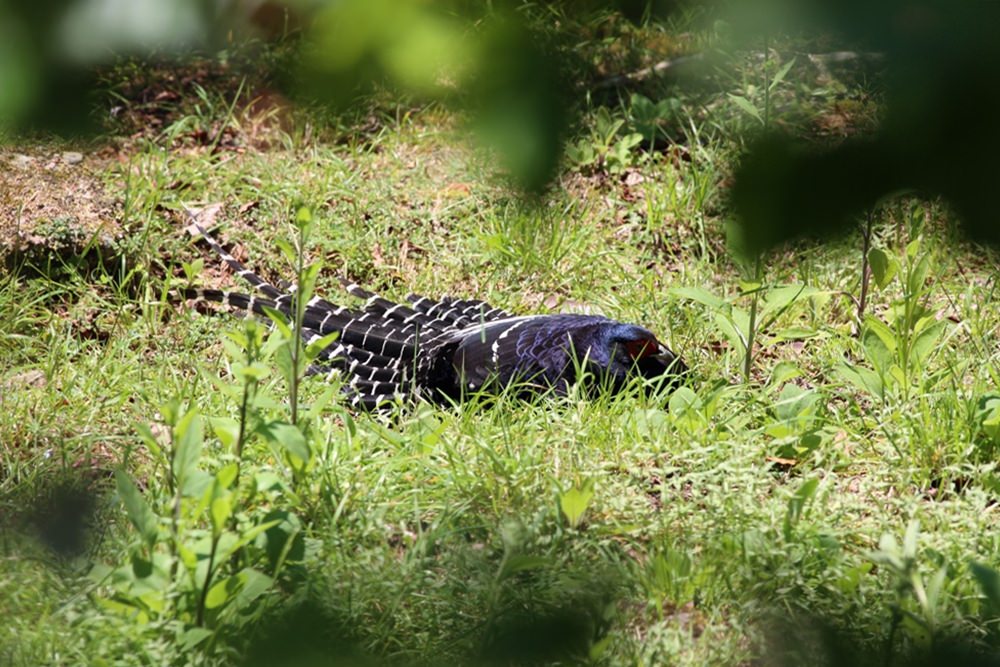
(174, 491)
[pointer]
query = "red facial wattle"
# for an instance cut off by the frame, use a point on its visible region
(642, 348)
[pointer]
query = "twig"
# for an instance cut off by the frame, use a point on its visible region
(670, 65)
(661, 68)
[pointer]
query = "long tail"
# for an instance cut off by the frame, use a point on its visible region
(378, 345)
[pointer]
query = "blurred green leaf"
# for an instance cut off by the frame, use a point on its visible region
(989, 583)
(188, 437)
(781, 74)
(747, 107)
(884, 268)
(574, 503)
(139, 512)
(682, 400)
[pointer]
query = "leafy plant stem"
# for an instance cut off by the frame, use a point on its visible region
(300, 305)
(752, 327)
(208, 580)
(866, 239)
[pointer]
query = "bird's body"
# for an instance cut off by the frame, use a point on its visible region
(446, 349)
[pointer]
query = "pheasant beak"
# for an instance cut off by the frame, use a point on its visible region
(670, 360)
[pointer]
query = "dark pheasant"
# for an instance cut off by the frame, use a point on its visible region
(446, 349)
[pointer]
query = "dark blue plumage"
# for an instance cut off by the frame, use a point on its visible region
(445, 349)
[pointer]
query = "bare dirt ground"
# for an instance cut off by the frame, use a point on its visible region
(54, 201)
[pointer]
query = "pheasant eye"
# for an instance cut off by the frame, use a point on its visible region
(640, 349)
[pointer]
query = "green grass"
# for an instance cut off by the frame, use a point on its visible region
(738, 525)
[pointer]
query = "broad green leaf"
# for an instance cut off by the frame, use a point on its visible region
(926, 341)
(283, 360)
(309, 276)
(222, 509)
(197, 483)
(794, 401)
(862, 378)
(226, 430)
(192, 270)
(229, 543)
(188, 441)
(883, 267)
(226, 474)
(521, 563)
(888, 552)
(741, 321)
(574, 503)
(191, 637)
(747, 107)
(303, 217)
(139, 512)
(187, 555)
(988, 416)
(432, 429)
(315, 347)
(989, 583)
(935, 586)
(129, 609)
(779, 298)
(234, 350)
(782, 372)
(255, 584)
(248, 373)
(729, 330)
(882, 330)
(630, 141)
(287, 436)
(797, 504)
(287, 249)
(879, 343)
(170, 411)
(896, 375)
(795, 333)
(322, 401)
(152, 443)
(699, 295)
(223, 591)
(781, 74)
(917, 276)
(682, 400)
(280, 321)
(266, 480)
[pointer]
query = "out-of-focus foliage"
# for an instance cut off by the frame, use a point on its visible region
(485, 58)
(938, 135)
(504, 62)
(49, 49)
(488, 61)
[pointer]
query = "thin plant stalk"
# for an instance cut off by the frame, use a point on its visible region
(866, 269)
(758, 265)
(752, 326)
(299, 315)
(203, 597)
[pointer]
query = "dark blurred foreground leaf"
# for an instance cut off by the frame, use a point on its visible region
(57, 509)
(804, 639)
(303, 635)
(938, 136)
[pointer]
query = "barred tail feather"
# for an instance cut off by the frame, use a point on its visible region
(236, 300)
(457, 313)
(255, 281)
